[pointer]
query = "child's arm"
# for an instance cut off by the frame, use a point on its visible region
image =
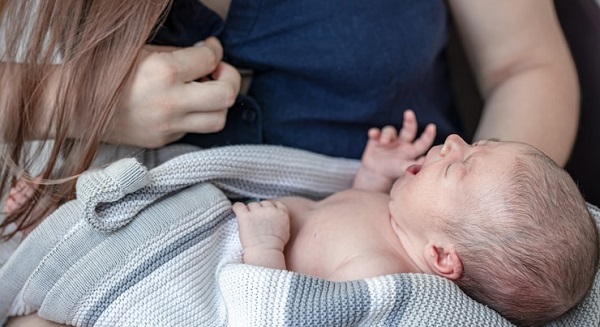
(388, 153)
(264, 230)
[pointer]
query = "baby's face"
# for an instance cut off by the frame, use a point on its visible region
(450, 174)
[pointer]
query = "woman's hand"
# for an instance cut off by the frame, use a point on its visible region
(174, 91)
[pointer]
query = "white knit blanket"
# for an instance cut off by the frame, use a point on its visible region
(160, 248)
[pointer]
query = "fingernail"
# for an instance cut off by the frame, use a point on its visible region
(199, 44)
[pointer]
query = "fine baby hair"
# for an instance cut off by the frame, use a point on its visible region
(531, 251)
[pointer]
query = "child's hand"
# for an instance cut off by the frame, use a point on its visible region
(264, 229)
(388, 153)
(20, 194)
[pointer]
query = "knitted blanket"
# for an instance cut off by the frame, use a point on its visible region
(160, 248)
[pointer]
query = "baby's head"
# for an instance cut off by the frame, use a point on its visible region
(512, 224)
(530, 247)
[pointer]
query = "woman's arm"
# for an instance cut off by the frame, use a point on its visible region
(524, 71)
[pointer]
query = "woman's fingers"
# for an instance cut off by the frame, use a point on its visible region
(202, 107)
(201, 122)
(228, 75)
(214, 95)
(165, 100)
(195, 62)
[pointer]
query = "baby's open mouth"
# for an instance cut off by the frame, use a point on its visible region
(414, 169)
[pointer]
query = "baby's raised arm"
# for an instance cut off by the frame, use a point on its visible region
(264, 229)
(388, 153)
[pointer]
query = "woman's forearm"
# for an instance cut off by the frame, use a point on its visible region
(524, 71)
(539, 106)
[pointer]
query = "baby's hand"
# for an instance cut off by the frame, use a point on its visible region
(264, 229)
(388, 153)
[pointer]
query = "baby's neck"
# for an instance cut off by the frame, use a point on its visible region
(400, 244)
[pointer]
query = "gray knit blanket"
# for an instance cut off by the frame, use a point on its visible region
(160, 247)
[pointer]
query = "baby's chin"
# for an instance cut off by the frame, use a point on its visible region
(398, 184)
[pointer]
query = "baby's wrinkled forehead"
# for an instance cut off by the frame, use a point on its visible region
(519, 147)
(517, 151)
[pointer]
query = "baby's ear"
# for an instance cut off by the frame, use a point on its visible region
(443, 260)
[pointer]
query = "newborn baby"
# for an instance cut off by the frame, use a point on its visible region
(500, 219)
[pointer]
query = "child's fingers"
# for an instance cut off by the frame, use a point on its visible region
(279, 205)
(20, 193)
(374, 133)
(239, 208)
(21, 186)
(28, 191)
(425, 141)
(13, 191)
(15, 201)
(409, 126)
(388, 134)
(266, 204)
(254, 206)
(25, 187)
(20, 198)
(10, 206)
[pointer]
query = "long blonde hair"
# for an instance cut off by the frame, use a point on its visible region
(87, 49)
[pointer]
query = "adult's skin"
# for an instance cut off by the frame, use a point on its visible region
(524, 70)
(519, 55)
(520, 58)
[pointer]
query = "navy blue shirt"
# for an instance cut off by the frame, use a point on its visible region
(325, 71)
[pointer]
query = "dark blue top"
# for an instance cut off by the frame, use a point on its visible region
(325, 71)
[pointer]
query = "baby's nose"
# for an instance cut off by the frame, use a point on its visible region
(453, 144)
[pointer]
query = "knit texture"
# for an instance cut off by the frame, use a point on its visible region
(160, 247)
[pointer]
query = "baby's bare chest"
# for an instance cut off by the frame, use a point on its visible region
(327, 233)
(345, 212)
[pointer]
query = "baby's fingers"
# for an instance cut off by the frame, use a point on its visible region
(388, 134)
(279, 205)
(385, 135)
(239, 208)
(374, 134)
(425, 141)
(409, 126)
